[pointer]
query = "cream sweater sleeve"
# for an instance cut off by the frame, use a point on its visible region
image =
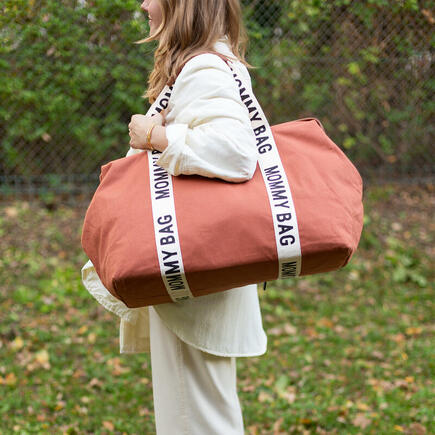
(207, 125)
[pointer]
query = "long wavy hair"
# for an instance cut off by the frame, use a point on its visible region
(190, 27)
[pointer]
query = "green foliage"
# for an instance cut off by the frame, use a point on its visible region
(349, 352)
(357, 67)
(71, 80)
(72, 77)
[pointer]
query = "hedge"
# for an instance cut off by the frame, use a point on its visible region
(71, 77)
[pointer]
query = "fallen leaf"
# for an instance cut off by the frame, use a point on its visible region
(248, 388)
(378, 355)
(361, 421)
(289, 396)
(305, 421)
(427, 13)
(108, 425)
(396, 226)
(42, 356)
(144, 411)
(417, 429)
(276, 331)
(325, 323)
(362, 406)
(10, 379)
(277, 425)
(94, 382)
(11, 212)
(60, 405)
(17, 344)
(417, 330)
(40, 359)
(45, 136)
(82, 329)
(81, 409)
(400, 383)
(339, 329)
(264, 397)
(117, 368)
(311, 332)
(290, 329)
(79, 373)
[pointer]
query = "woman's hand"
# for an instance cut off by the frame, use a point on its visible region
(139, 125)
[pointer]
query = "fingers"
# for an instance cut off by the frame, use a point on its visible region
(134, 120)
(139, 126)
(130, 127)
(137, 130)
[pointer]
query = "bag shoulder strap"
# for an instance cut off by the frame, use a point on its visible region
(277, 186)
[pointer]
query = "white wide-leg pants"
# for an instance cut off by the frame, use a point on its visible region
(194, 392)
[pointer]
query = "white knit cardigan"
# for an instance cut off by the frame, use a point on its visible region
(209, 133)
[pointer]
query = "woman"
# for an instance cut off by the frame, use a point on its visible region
(206, 130)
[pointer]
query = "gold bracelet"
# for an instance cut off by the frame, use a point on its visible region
(148, 144)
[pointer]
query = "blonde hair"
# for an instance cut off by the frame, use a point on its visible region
(191, 27)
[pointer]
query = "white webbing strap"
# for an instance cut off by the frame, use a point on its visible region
(277, 186)
(278, 189)
(165, 220)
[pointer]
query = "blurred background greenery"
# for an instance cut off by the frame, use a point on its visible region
(71, 77)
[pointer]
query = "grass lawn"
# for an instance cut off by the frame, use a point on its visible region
(349, 352)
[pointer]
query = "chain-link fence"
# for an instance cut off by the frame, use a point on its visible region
(71, 77)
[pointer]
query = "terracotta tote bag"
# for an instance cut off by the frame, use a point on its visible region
(154, 238)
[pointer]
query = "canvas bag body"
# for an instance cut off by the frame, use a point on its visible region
(225, 229)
